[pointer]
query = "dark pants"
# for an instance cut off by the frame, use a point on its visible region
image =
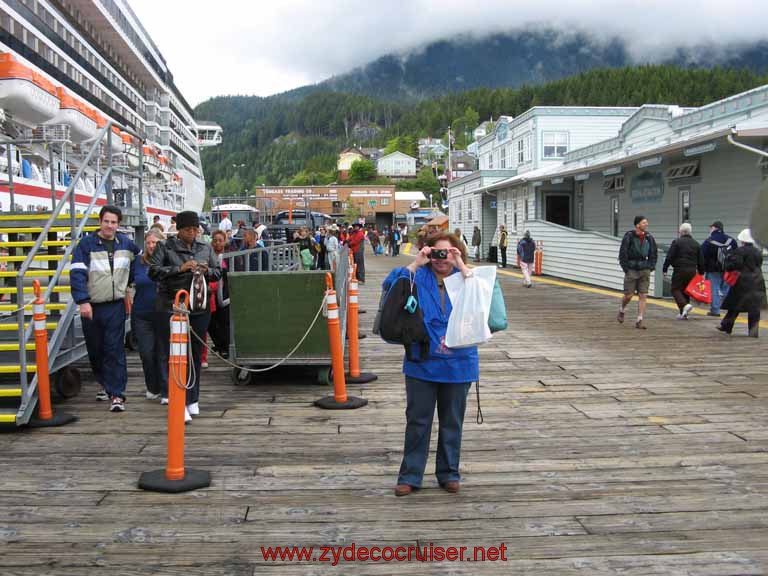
(680, 281)
(146, 329)
(198, 323)
(503, 251)
(753, 321)
(359, 258)
(451, 400)
(219, 329)
(105, 341)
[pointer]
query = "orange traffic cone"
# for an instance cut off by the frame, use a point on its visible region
(175, 478)
(339, 400)
(354, 376)
(45, 418)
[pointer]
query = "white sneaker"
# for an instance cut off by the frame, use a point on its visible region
(679, 317)
(187, 417)
(204, 365)
(151, 396)
(164, 401)
(194, 408)
(686, 310)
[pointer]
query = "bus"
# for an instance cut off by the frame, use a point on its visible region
(235, 212)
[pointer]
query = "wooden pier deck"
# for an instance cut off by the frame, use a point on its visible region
(605, 450)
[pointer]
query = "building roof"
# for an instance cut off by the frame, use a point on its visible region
(352, 150)
(395, 153)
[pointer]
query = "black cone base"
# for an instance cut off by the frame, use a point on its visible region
(362, 311)
(364, 378)
(59, 419)
(155, 481)
(329, 403)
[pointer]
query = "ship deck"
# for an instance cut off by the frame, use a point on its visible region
(605, 450)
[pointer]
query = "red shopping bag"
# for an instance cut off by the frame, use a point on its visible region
(700, 289)
(731, 277)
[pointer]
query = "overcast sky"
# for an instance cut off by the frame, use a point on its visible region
(266, 46)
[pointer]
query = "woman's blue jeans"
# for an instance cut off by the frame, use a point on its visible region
(451, 401)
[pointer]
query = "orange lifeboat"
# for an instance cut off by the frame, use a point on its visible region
(151, 162)
(28, 96)
(80, 118)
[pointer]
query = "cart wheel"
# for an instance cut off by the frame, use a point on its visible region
(241, 377)
(67, 382)
(325, 376)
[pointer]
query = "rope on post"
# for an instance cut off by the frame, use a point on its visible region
(339, 400)
(355, 376)
(46, 417)
(176, 478)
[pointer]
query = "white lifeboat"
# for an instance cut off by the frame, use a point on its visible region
(117, 141)
(26, 94)
(80, 118)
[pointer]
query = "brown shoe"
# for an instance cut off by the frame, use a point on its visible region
(453, 486)
(640, 326)
(620, 317)
(403, 490)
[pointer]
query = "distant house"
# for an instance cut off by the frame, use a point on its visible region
(431, 149)
(483, 130)
(346, 158)
(397, 165)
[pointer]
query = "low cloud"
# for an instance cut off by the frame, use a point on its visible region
(239, 47)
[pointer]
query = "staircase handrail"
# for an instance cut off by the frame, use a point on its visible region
(75, 234)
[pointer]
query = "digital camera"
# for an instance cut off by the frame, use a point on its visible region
(441, 254)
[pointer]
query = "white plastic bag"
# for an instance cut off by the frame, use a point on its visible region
(471, 305)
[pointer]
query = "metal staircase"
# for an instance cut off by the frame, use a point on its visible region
(40, 245)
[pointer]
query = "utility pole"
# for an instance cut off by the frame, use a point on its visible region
(448, 162)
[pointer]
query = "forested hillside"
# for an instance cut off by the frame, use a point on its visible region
(272, 140)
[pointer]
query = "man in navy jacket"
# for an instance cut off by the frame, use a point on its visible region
(100, 274)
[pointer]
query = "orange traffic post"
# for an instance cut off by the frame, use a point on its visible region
(354, 376)
(176, 478)
(538, 258)
(339, 400)
(45, 416)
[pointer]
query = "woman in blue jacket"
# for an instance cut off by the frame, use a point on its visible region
(443, 378)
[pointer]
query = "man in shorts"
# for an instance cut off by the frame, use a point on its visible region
(637, 257)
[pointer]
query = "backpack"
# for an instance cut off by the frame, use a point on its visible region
(723, 251)
(396, 325)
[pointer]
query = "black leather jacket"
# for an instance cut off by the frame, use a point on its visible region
(165, 262)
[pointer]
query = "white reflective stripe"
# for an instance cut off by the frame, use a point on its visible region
(122, 263)
(333, 314)
(39, 308)
(178, 349)
(179, 327)
(100, 265)
(331, 299)
(40, 325)
(352, 299)
(353, 285)
(78, 266)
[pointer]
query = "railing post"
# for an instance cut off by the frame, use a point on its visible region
(175, 477)
(10, 177)
(46, 417)
(110, 199)
(53, 179)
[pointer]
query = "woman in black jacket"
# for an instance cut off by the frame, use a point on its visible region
(686, 258)
(748, 294)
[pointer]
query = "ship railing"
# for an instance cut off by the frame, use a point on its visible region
(76, 231)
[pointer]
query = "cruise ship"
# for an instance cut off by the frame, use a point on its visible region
(67, 68)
